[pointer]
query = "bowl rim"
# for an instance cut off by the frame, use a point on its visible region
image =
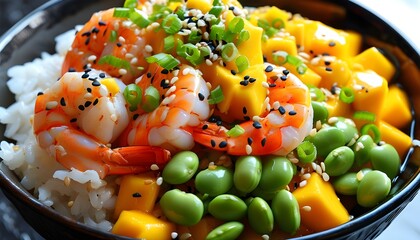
(408, 192)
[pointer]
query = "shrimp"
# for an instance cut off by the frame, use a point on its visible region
(78, 117)
(184, 106)
(285, 123)
(111, 44)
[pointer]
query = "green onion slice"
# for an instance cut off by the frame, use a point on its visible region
(236, 25)
(168, 43)
(277, 23)
(114, 61)
(171, 24)
(130, 3)
(217, 32)
(316, 94)
(229, 52)
(243, 36)
(242, 63)
(372, 130)
(346, 95)
(137, 18)
(216, 95)
(133, 95)
(113, 36)
(151, 99)
(194, 37)
(364, 115)
(122, 12)
(164, 60)
(280, 57)
(306, 152)
(190, 52)
(216, 11)
(236, 131)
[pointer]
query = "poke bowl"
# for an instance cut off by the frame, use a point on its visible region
(34, 37)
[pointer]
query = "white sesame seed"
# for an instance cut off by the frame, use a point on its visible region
(129, 55)
(91, 58)
(318, 124)
(312, 132)
(303, 183)
(186, 71)
(173, 80)
(121, 39)
(170, 90)
(214, 57)
(175, 72)
(209, 62)
(51, 104)
(360, 175)
(122, 71)
(201, 23)
(248, 149)
(332, 120)
(265, 84)
(325, 176)
(114, 117)
(206, 35)
(70, 204)
(154, 167)
(306, 208)
(174, 235)
(306, 176)
(294, 160)
(159, 181)
(208, 84)
(359, 146)
(313, 165)
(318, 169)
(351, 142)
(134, 60)
(155, 24)
(276, 104)
(67, 181)
(323, 166)
(148, 48)
(265, 237)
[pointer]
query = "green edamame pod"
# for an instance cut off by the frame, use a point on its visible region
(260, 216)
(339, 161)
(247, 173)
(214, 181)
(227, 207)
(373, 188)
(277, 172)
(348, 127)
(361, 150)
(181, 207)
(286, 211)
(346, 184)
(181, 168)
(229, 230)
(385, 159)
(327, 139)
(320, 112)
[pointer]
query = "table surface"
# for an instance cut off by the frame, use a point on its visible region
(12, 225)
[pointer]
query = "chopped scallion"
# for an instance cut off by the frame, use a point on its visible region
(133, 95)
(372, 130)
(194, 37)
(217, 32)
(280, 57)
(171, 24)
(277, 23)
(122, 12)
(114, 61)
(236, 25)
(130, 3)
(316, 94)
(346, 95)
(151, 99)
(164, 60)
(113, 36)
(229, 52)
(137, 18)
(243, 36)
(364, 115)
(190, 52)
(216, 11)
(216, 95)
(306, 152)
(168, 43)
(242, 63)
(236, 131)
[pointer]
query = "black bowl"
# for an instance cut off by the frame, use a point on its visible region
(34, 34)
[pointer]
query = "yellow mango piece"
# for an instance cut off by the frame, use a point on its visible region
(237, 96)
(374, 60)
(317, 38)
(200, 230)
(141, 225)
(336, 72)
(274, 44)
(326, 209)
(137, 192)
(309, 77)
(275, 14)
(396, 104)
(337, 108)
(203, 5)
(392, 135)
(111, 84)
(370, 91)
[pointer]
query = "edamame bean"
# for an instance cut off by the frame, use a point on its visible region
(286, 211)
(247, 173)
(320, 112)
(229, 230)
(260, 216)
(181, 207)
(327, 139)
(373, 188)
(339, 161)
(227, 207)
(277, 172)
(181, 168)
(346, 184)
(214, 181)
(348, 127)
(385, 159)
(361, 150)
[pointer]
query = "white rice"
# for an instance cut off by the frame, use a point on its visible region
(80, 195)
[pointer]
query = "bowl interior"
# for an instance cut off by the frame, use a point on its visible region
(35, 34)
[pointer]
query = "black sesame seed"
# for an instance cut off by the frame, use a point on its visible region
(87, 41)
(135, 116)
(81, 107)
(249, 141)
(85, 75)
(101, 23)
(164, 71)
(223, 144)
(62, 102)
(86, 34)
(328, 69)
(119, 44)
(219, 123)
(281, 110)
(272, 85)
(251, 80)
(213, 143)
(331, 44)
(263, 141)
(205, 126)
(327, 63)
(88, 103)
(149, 75)
(246, 77)
(231, 8)
(72, 70)
(96, 83)
(102, 75)
(95, 30)
(244, 110)
(164, 84)
(286, 72)
(200, 96)
(283, 78)
(269, 68)
(244, 83)
(95, 102)
(257, 125)
(73, 120)
(292, 113)
(233, 72)
(89, 90)
(40, 93)
(92, 78)
(136, 195)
